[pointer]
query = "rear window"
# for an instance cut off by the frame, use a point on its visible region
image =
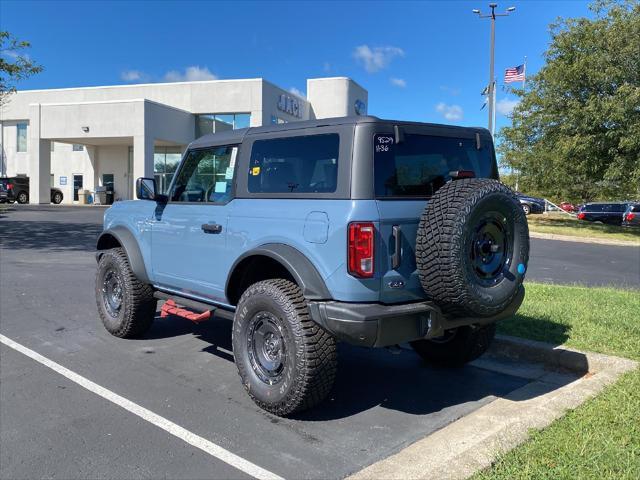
(421, 164)
(307, 164)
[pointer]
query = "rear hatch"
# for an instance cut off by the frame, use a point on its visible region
(410, 165)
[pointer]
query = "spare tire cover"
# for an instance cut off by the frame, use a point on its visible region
(472, 247)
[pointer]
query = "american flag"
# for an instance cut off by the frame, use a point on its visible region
(514, 74)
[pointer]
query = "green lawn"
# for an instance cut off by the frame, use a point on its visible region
(601, 438)
(562, 224)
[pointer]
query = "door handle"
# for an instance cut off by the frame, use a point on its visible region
(214, 228)
(396, 257)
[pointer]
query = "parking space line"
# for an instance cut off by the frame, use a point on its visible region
(176, 430)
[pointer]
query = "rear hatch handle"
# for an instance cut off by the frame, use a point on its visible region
(396, 258)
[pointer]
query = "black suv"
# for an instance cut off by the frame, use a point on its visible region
(605, 212)
(16, 189)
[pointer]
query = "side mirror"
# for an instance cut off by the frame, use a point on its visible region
(146, 189)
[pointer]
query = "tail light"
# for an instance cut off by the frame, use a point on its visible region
(630, 216)
(9, 186)
(361, 249)
(581, 216)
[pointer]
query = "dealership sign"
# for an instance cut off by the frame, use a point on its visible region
(289, 105)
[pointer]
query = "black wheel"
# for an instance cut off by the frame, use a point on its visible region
(287, 363)
(126, 306)
(22, 197)
(526, 209)
(472, 247)
(57, 198)
(457, 346)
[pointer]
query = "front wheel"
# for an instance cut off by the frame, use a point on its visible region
(287, 362)
(526, 209)
(457, 346)
(126, 305)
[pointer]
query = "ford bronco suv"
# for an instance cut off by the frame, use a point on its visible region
(361, 230)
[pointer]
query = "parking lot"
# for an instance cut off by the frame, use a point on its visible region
(184, 373)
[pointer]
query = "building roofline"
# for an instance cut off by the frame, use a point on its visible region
(337, 78)
(134, 85)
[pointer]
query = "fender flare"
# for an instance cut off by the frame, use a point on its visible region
(297, 264)
(130, 245)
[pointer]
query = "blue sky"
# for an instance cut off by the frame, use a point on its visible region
(423, 61)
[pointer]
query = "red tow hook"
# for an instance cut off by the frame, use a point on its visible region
(170, 308)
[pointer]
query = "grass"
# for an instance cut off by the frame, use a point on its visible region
(562, 224)
(601, 438)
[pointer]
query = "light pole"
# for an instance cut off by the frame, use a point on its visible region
(492, 84)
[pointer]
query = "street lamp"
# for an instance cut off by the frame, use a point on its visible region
(492, 87)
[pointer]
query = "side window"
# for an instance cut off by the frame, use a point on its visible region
(206, 176)
(307, 164)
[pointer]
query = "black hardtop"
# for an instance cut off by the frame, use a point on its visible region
(237, 136)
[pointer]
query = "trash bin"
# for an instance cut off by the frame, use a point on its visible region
(109, 197)
(101, 196)
(83, 197)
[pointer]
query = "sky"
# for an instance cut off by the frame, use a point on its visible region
(421, 61)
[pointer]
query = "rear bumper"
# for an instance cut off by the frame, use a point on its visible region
(378, 325)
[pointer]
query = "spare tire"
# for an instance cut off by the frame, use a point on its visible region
(472, 247)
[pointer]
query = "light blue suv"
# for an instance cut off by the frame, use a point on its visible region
(363, 230)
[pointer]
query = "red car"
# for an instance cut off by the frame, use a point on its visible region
(568, 207)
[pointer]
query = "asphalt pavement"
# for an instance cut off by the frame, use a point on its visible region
(53, 427)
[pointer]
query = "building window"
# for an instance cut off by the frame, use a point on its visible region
(77, 147)
(165, 164)
(21, 137)
(277, 120)
(215, 122)
(107, 181)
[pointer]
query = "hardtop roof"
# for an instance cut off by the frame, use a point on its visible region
(237, 136)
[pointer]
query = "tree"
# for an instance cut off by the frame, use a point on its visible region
(576, 132)
(14, 64)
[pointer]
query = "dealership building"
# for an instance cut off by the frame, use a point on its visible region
(78, 139)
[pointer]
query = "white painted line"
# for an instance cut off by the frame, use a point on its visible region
(161, 422)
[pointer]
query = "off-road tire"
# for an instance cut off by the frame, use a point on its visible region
(448, 266)
(309, 366)
(22, 197)
(138, 307)
(464, 345)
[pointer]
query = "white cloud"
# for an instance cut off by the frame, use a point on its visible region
(297, 92)
(506, 106)
(398, 82)
(132, 76)
(376, 58)
(450, 112)
(191, 74)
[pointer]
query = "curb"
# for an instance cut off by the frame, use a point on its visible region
(474, 441)
(569, 238)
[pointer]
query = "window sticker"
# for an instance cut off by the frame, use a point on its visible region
(221, 187)
(228, 175)
(234, 153)
(255, 171)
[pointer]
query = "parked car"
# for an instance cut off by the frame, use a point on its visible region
(17, 190)
(568, 207)
(605, 212)
(631, 216)
(354, 229)
(531, 204)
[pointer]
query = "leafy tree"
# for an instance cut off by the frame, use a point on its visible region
(14, 64)
(576, 132)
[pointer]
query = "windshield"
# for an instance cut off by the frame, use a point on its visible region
(421, 164)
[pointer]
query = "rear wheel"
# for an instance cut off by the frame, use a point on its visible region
(57, 198)
(287, 363)
(126, 306)
(457, 346)
(22, 197)
(526, 209)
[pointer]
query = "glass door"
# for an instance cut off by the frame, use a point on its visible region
(77, 185)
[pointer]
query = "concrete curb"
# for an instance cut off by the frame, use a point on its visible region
(569, 238)
(563, 378)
